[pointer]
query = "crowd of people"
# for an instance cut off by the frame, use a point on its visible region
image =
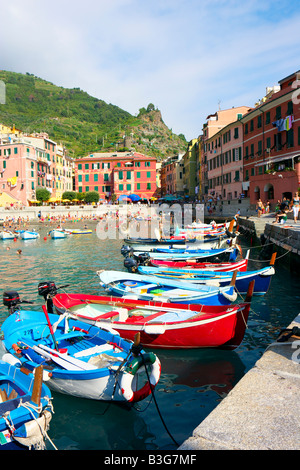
(282, 208)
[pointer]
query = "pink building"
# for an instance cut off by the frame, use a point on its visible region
(25, 164)
(221, 158)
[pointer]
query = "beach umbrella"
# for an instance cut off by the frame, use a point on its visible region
(134, 197)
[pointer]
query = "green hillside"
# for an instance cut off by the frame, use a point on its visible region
(82, 123)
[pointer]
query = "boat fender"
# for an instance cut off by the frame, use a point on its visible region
(10, 359)
(132, 368)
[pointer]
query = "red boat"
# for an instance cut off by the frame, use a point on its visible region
(162, 325)
(240, 265)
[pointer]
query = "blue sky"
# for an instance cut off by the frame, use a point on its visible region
(187, 58)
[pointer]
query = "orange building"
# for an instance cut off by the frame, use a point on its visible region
(116, 173)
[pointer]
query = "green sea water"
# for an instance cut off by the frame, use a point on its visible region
(192, 383)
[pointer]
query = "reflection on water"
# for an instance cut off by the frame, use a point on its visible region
(192, 382)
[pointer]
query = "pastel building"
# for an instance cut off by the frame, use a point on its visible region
(225, 162)
(217, 145)
(116, 173)
(27, 162)
(272, 144)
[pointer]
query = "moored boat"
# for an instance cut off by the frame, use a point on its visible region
(78, 231)
(162, 325)
(240, 265)
(79, 360)
(25, 406)
(262, 277)
(28, 235)
(8, 235)
(136, 286)
(58, 233)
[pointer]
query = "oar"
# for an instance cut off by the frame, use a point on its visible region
(61, 362)
(273, 258)
(50, 327)
(72, 360)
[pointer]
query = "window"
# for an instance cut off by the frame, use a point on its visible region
(259, 121)
(236, 133)
(252, 150)
(278, 112)
(259, 152)
(79, 178)
(148, 174)
(79, 166)
(251, 125)
(290, 108)
(128, 187)
(95, 177)
(106, 177)
(138, 185)
(246, 128)
(86, 178)
(121, 186)
(96, 188)
(15, 150)
(137, 164)
(147, 163)
(268, 141)
(128, 175)
(148, 185)
(87, 188)
(290, 138)
(120, 175)
(268, 118)
(86, 166)
(138, 174)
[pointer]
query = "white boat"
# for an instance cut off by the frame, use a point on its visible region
(8, 235)
(28, 235)
(58, 233)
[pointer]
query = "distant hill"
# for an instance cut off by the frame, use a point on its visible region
(82, 123)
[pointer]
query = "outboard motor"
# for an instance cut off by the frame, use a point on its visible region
(126, 251)
(130, 264)
(11, 300)
(49, 290)
(143, 259)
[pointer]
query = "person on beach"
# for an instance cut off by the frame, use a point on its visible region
(260, 207)
(295, 207)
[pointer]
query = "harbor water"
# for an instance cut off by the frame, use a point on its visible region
(192, 382)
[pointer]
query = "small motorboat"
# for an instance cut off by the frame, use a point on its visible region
(58, 233)
(25, 406)
(78, 231)
(8, 235)
(28, 235)
(262, 277)
(161, 325)
(240, 265)
(136, 286)
(79, 359)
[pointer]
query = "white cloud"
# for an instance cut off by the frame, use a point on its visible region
(181, 56)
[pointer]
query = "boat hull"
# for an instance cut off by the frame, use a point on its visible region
(217, 267)
(172, 327)
(88, 370)
(261, 277)
(137, 286)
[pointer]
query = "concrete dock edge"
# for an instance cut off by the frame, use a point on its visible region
(262, 411)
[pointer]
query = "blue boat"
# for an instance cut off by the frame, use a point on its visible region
(136, 286)
(81, 360)
(212, 255)
(262, 277)
(25, 408)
